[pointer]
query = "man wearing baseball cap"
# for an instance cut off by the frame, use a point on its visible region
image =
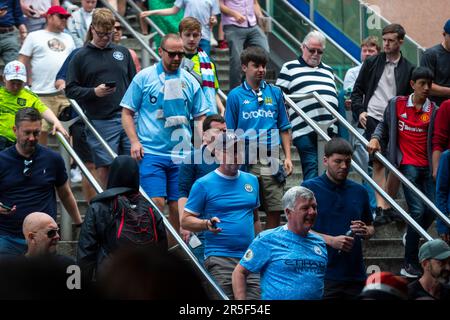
(434, 256)
(14, 97)
(43, 53)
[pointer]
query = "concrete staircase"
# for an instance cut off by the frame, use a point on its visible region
(384, 251)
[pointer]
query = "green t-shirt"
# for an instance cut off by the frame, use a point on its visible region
(10, 104)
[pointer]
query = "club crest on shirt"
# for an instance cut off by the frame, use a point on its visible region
(317, 250)
(425, 117)
(268, 101)
(248, 255)
(21, 102)
(118, 55)
(248, 187)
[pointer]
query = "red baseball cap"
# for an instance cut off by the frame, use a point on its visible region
(57, 10)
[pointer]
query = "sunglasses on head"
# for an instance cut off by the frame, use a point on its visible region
(52, 233)
(102, 34)
(260, 97)
(313, 50)
(172, 54)
(27, 167)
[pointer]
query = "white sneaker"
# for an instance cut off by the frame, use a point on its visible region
(213, 41)
(75, 175)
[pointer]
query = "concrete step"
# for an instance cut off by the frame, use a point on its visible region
(385, 263)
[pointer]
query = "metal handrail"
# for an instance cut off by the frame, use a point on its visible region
(167, 224)
(377, 154)
(357, 168)
(312, 24)
(161, 33)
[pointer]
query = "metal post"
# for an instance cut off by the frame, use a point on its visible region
(311, 10)
(321, 145)
(66, 221)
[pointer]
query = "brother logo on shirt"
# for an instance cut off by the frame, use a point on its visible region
(258, 114)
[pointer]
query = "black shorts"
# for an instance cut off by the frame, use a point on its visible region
(371, 124)
(80, 144)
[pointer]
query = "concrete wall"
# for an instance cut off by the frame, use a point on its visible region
(423, 20)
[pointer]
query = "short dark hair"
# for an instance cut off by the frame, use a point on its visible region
(395, 28)
(422, 73)
(212, 118)
(255, 54)
(27, 114)
(339, 146)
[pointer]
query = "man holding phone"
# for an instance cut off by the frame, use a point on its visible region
(11, 16)
(98, 76)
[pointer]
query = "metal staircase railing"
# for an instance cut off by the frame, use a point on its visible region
(98, 188)
(378, 155)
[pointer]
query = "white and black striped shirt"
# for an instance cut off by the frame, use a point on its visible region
(297, 77)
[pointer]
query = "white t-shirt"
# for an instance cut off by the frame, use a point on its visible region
(202, 10)
(47, 51)
(40, 5)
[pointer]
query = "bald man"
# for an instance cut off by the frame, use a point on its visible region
(41, 233)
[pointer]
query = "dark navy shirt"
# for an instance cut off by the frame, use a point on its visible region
(337, 206)
(201, 163)
(29, 194)
(14, 15)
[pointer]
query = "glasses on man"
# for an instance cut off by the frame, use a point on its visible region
(52, 233)
(117, 28)
(103, 34)
(173, 54)
(260, 97)
(313, 50)
(27, 168)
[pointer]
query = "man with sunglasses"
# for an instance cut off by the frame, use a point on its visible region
(98, 76)
(166, 97)
(43, 53)
(297, 77)
(29, 176)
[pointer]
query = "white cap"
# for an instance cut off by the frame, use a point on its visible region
(15, 70)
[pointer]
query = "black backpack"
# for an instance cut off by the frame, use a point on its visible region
(136, 223)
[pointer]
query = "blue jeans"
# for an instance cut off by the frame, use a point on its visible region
(9, 46)
(12, 246)
(239, 38)
(307, 149)
(421, 178)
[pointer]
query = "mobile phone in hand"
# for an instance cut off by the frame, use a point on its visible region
(110, 84)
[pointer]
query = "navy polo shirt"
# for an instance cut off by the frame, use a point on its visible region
(29, 194)
(337, 206)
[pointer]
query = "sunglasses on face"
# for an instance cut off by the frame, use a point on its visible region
(313, 51)
(52, 233)
(173, 54)
(103, 34)
(27, 167)
(61, 16)
(117, 28)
